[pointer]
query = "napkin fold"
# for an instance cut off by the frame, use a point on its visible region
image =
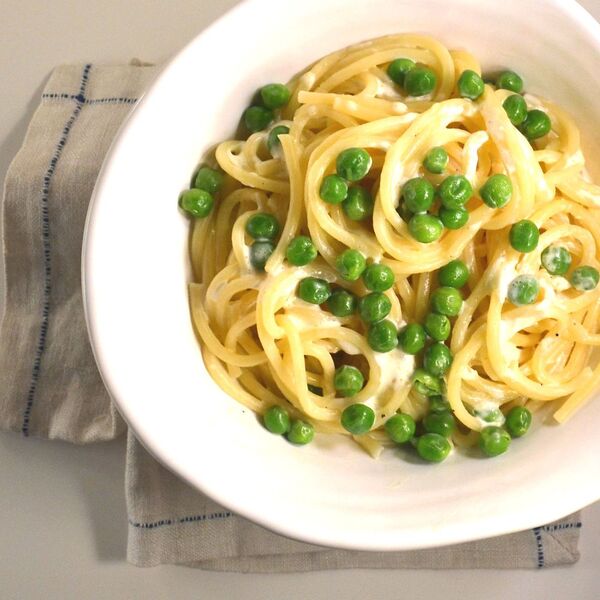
(50, 386)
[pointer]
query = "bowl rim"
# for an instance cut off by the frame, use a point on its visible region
(570, 9)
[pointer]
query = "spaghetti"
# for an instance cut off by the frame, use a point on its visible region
(266, 347)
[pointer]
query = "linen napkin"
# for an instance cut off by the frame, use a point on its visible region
(50, 386)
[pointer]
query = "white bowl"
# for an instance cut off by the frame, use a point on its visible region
(136, 274)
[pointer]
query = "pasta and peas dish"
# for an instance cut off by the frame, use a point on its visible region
(399, 251)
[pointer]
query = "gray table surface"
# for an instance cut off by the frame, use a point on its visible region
(62, 508)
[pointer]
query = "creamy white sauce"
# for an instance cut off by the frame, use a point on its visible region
(425, 98)
(274, 272)
(247, 266)
(396, 368)
(505, 273)
(483, 409)
(547, 286)
(399, 107)
(497, 422)
(389, 91)
(558, 282)
(551, 287)
(470, 153)
(469, 374)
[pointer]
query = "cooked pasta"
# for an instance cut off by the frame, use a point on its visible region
(399, 252)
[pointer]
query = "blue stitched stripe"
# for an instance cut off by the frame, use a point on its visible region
(83, 100)
(561, 526)
(537, 531)
(190, 519)
(112, 101)
(49, 96)
(41, 346)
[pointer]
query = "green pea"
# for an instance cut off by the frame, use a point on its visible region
(353, 163)
(405, 214)
(509, 80)
(438, 404)
(446, 301)
(273, 142)
(584, 278)
(425, 383)
(523, 289)
(439, 422)
(454, 274)
(425, 228)
(556, 260)
(453, 218)
(536, 124)
(496, 191)
(470, 85)
(357, 418)
(374, 307)
(455, 191)
(314, 290)
(351, 264)
(433, 447)
(411, 338)
(301, 251)
(277, 420)
(436, 160)
(516, 109)
(358, 204)
(420, 81)
(334, 189)
(209, 180)
(257, 118)
(315, 389)
(342, 303)
(348, 380)
(398, 69)
(524, 236)
(518, 421)
(437, 359)
(275, 95)
(262, 226)
(382, 336)
(400, 428)
(196, 203)
(438, 326)
(378, 277)
(301, 433)
(418, 194)
(494, 440)
(260, 252)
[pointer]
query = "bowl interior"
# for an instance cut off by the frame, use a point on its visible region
(136, 275)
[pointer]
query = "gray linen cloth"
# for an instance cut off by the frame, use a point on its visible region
(50, 387)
